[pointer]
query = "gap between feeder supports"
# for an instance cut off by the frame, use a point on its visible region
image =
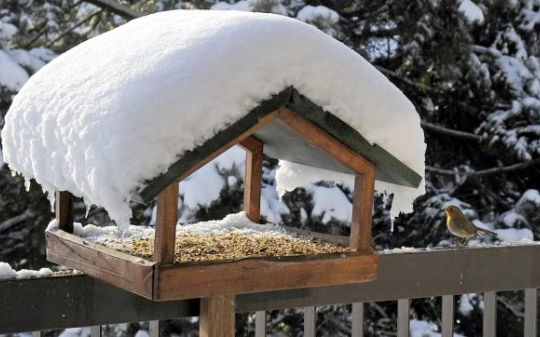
(447, 310)
(260, 324)
(490, 314)
(531, 311)
(310, 321)
(357, 328)
(166, 218)
(403, 318)
(95, 331)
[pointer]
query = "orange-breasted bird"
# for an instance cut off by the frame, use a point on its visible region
(460, 226)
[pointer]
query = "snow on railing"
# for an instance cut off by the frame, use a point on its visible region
(63, 302)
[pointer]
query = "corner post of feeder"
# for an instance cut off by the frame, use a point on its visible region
(64, 210)
(217, 316)
(253, 177)
(166, 218)
(364, 185)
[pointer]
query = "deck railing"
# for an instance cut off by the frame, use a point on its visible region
(76, 301)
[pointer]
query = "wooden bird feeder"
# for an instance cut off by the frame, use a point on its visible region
(288, 126)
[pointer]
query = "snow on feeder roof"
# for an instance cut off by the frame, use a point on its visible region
(121, 115)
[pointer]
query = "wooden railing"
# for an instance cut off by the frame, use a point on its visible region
(74, 301)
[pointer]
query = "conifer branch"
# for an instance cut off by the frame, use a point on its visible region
(451, 132)
(116, 8)
(486, 172)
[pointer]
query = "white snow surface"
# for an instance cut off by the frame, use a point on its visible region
(237, 222)
(118, 109)
(6, 272)
(472, 12)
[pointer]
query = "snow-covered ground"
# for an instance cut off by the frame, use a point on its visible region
(101, 138)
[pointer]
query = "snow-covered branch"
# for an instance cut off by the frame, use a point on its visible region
(7, 224)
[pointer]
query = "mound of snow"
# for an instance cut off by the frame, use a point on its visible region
(118, 109)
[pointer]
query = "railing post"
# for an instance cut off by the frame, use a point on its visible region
(310, 321)
(95, 331)
(490, 314)
(154, 328)
(531, 310)
(217, 316)
(403, 318)
(36, 333)
(447, 313)
(260, 324)
(357, 329)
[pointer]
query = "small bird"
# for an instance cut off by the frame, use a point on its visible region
(460, 226)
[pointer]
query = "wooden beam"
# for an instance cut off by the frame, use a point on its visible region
(120, 269)
(167, 216)
(362, 211)
(253, 177)
(217, 316)
(64, 211)
(318, 137)
(258, 274)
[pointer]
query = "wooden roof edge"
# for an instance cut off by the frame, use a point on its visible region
(384, 160)
(394, 169)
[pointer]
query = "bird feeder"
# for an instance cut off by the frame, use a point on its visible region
(288, 126)
(134, 111)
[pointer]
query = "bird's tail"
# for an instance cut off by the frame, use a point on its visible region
(485, 231)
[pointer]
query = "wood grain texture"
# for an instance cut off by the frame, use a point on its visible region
(253, 177)
(257, 274)
(120, 269)
(166, 218)
(217, 316)
(362, 211)
(64, 211)
(318, 137)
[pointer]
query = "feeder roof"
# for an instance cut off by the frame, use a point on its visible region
(113, 116)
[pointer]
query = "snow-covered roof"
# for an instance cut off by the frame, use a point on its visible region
(116, 111)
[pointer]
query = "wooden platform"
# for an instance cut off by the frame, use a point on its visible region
(190, 280)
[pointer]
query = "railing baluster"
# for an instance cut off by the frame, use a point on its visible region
(310, 321)
(531, 302)
(154, 328)
(403, 318)
(490, 314)
(95, 331)
(357, 320)
(36, 333)
(260, 324)
(447, 316)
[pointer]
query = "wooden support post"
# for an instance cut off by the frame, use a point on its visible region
(167, 216)
(253, 177)
(217, 316)
(64, 211)
(362, 211)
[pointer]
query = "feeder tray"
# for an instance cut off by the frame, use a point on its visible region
(289, 126)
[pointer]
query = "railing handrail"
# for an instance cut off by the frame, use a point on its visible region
(73, 301)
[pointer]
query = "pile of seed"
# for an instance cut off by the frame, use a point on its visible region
(193, 247)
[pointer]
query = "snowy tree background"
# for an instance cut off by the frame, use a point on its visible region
(472, 69)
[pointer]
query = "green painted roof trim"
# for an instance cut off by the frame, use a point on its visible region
(389, 168)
